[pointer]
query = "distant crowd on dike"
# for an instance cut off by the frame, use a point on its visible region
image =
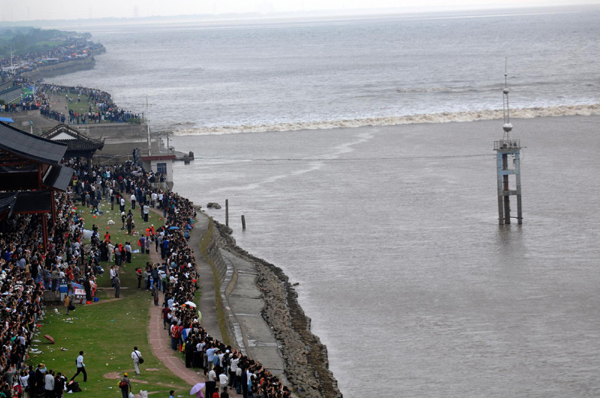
(100, 106)
(28, 270)
(73, 48)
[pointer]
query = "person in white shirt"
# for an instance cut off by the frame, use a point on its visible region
(223, 379)
(113, 273)
(80, 367)
(133, 199)
(211, 383)
(136, 356)
(49, 383)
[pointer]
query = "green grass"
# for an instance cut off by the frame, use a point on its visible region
(81, 107)
(204, 243)
(108, 331)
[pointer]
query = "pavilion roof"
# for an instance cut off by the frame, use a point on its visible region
(27, 146)
(75, 140)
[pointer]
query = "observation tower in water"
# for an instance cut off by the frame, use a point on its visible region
(508, 163)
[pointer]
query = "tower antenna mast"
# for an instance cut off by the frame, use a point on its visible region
(505, 104)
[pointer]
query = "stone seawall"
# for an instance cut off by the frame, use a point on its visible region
(305, 357)
(60, 69)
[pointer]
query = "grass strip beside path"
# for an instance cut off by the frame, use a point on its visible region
(108, 330)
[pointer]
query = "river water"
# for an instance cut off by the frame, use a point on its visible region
(392, 231)
(392, 234)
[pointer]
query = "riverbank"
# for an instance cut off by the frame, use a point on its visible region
(275, 331)
(305, 357)
(258, 311)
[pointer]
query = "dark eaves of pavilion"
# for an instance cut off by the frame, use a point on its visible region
(30, 174)
(78, 144)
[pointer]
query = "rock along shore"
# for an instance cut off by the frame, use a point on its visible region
(305, 357)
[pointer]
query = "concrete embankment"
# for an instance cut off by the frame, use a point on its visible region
(60, 69)
(262, 314)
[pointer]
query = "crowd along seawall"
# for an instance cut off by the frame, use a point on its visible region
(304, 357)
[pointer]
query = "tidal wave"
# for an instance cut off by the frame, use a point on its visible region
(445, 117)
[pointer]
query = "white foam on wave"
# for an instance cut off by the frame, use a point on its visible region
(444, 117)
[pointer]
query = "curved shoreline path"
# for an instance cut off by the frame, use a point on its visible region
(158, 337)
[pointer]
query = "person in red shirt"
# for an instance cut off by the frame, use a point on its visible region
(165, 313)
(174, 336)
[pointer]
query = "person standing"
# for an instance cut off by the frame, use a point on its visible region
(24, 381)
(113, 273)
(136, 356)
(125, 386)
(211, 383)
(67, 303)
(80, 367)
(146, 211)
(117, 285)
(172, 394)
(49, 384)
(133, 201)
(155, 294)
(223, 380)
(129, 224)
(128, 251)
(138, 273)
(59, 385)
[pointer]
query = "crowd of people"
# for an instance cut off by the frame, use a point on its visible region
(29, 269)
(100, 108)
(72, 48)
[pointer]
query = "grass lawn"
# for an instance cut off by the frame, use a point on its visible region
(81, 107)
(108, 331)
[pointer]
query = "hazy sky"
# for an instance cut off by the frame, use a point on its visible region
(28, 10)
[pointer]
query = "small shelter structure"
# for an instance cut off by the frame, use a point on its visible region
(162, 166)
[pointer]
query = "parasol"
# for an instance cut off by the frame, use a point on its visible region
(196, 389)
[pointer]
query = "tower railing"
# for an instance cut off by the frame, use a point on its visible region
(507, 145)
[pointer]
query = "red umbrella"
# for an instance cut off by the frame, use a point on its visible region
(49, 338)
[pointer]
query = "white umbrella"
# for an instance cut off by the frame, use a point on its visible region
(190, 303)
(197, 388)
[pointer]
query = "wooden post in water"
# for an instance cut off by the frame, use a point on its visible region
(227, 212)
(243, 223)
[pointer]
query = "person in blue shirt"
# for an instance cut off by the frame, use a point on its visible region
(210, 354)
(172, 394)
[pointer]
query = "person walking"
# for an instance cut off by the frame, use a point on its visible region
(125, 386)
(80, 367)
(137, 360)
